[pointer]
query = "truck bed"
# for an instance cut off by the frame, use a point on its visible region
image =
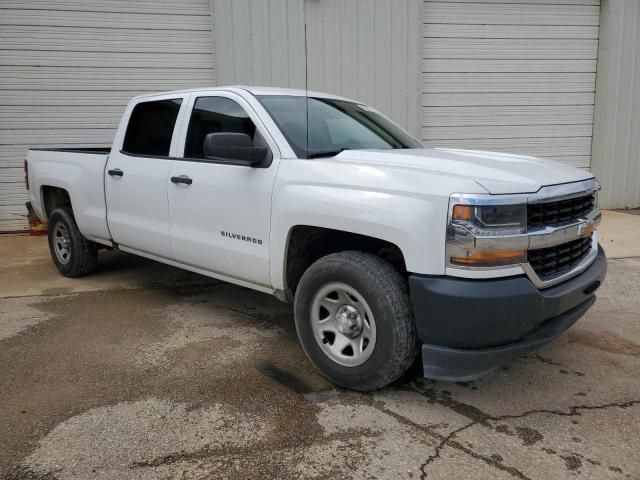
(80, 173)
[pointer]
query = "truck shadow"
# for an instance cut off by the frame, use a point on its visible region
(534, 372)
(266, 312)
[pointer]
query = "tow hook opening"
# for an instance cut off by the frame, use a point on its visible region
(592, 288)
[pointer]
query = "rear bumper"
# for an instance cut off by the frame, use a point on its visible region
(471, 327)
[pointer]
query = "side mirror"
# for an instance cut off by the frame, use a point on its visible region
(235, 148)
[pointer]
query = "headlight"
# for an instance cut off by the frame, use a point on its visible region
(491, 219)
(471, 227)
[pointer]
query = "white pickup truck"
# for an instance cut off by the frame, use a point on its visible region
(385, 247)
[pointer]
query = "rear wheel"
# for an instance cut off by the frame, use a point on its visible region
(72, 254)
(354, 320)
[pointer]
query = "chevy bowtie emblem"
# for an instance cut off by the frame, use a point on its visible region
(585, 229)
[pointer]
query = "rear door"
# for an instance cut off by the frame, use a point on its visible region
(137, 176)
(220, 221)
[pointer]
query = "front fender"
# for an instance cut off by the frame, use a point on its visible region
(415, 225)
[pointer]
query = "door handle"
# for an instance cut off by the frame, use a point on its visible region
(182, 179)
(116, 172)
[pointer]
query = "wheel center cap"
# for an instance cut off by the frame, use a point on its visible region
(349, 321)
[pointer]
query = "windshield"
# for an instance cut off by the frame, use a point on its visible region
(334, 126)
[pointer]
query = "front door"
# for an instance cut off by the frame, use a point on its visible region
(136, 178)
(220, 215)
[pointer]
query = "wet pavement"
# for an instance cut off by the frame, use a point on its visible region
(145, 371)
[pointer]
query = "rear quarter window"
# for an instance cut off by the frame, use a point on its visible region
(151, 127)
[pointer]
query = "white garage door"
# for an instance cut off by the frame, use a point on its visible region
(511, 75)
(68, 68)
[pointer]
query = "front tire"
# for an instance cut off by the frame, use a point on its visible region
(354, 320)
(72, 254)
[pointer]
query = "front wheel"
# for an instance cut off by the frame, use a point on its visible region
(72, 254)
(354, 320)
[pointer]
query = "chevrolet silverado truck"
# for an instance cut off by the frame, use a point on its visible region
(387, 249)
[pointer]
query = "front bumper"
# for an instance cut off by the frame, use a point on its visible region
(470, 327)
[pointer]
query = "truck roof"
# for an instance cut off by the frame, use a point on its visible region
(254, 90)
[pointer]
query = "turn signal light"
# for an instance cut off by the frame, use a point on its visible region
(491, 259)
(463, 212)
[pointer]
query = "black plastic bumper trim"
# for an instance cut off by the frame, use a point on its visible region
(470, 327)
(463, 313)
(463, 365)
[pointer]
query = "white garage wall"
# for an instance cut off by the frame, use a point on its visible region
(511, 75)
(616, 134)
(68, 68)
(368, 50)
(363, 49)
(259, 42)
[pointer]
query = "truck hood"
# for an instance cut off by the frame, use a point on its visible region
(498, 173)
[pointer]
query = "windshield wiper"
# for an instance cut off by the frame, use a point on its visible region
(327, 153)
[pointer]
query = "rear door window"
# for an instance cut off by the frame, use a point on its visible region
(151, 127)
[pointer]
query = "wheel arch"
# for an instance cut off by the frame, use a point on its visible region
(306, 243)
(54, 197)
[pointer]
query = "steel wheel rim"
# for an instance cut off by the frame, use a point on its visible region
(343, 324)
(62, 243)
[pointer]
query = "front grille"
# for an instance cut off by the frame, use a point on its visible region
(552, 262)
(562, 212)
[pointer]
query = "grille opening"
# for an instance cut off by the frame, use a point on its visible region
(551, 262)
(561, 212)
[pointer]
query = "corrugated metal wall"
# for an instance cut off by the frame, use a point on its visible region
(508, 75)
(515, 76)
(259, 42)
(368, 50)
(67, 69)
(616, 134)
(363, 49)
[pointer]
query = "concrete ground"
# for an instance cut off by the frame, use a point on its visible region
(145, 371)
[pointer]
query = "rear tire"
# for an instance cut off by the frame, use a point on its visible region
(354, 320)
(72, 254)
